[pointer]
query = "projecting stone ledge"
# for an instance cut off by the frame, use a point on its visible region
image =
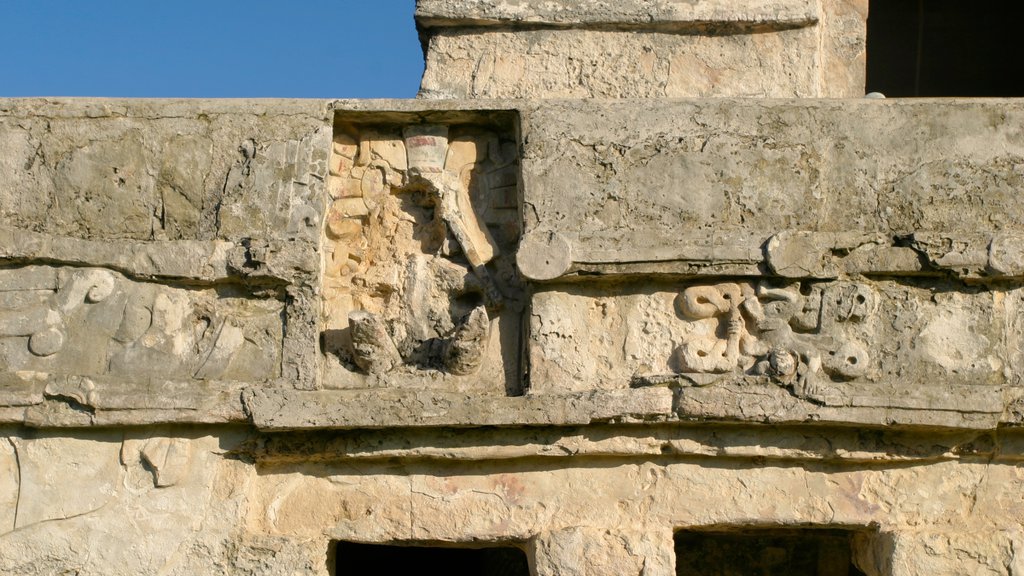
(42, 400)
(278, 410)
(294, 410)
(628, 14)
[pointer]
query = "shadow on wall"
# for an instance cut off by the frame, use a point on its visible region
(945, 48)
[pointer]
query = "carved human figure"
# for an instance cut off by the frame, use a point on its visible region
(792, 358)
(434, 282)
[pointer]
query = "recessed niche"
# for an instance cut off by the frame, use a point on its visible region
(353, 559)
(765, 552)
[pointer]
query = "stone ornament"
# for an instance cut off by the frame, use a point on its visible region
(95, 322)
(794, 339)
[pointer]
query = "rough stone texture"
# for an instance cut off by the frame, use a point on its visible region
(420, 287)
(642, 49)
(180, 501)
(626, 13)
(653, 177)
(98, 504)
(919, 257)
(233, 334)
(157, 246)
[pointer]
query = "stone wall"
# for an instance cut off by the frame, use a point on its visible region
(237, 333)
(643, 48)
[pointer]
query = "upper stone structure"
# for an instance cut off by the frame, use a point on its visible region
(643, 49)
(539, 337)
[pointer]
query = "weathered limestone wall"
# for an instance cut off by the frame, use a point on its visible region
(234, 333)
(643, 49)
(192, 500)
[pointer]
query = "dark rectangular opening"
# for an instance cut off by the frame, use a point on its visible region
(353, 559)
(945, 48)
(765, 552)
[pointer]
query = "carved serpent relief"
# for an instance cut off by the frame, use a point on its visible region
(791, 334)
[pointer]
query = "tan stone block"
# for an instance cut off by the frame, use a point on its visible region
(342, 187)
(373, 186)
(341, 166)
(389, 150)
(346, 146)
(343, 228)
(47, 467)
(9, 485)
(463, 151)
(348, 208)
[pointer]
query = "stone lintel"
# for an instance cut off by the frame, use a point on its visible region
(658, 16)
(275, 410)
(820, 443)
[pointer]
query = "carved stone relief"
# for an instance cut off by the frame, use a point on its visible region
(814, 338)
(420, 286)
(96, 322)
(794, 334)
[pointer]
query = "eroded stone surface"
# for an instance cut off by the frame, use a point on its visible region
(92, 322)
(438, 13)
(643, 49)
(91, 504)
(729, 315)
(811, 338)
(420, 285)
(720, 178)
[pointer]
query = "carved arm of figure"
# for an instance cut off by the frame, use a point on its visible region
(456, 210)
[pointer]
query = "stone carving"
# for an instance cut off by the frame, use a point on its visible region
(790, 334)
(168, 458)
(96, 322)
(38, 304)
(421, 235)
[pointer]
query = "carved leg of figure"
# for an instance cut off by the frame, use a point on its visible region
(808, 382)
(372, 347)
(466, 349)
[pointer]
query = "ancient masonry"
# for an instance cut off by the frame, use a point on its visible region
(634, 288)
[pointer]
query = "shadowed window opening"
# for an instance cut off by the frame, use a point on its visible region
(945, 48)
(765, 552)
(352, 559)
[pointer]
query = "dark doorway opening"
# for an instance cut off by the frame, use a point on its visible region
(945, 48)
(352, 559)
(765, 552)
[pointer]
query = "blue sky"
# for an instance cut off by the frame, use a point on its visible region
(209, 48)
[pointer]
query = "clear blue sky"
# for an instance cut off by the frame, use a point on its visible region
(209, 48)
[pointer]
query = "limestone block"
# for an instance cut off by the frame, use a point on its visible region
(955, 552)
(814, 340)
(624, 14)
(169, 170)
(683, 187)
(10, 484)
(837, 446)
(631, 49)
(609, 64)
(375, 408)
(291, 502)
(93, 322)
(45, 466)
(91, 505)
(585, 552)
